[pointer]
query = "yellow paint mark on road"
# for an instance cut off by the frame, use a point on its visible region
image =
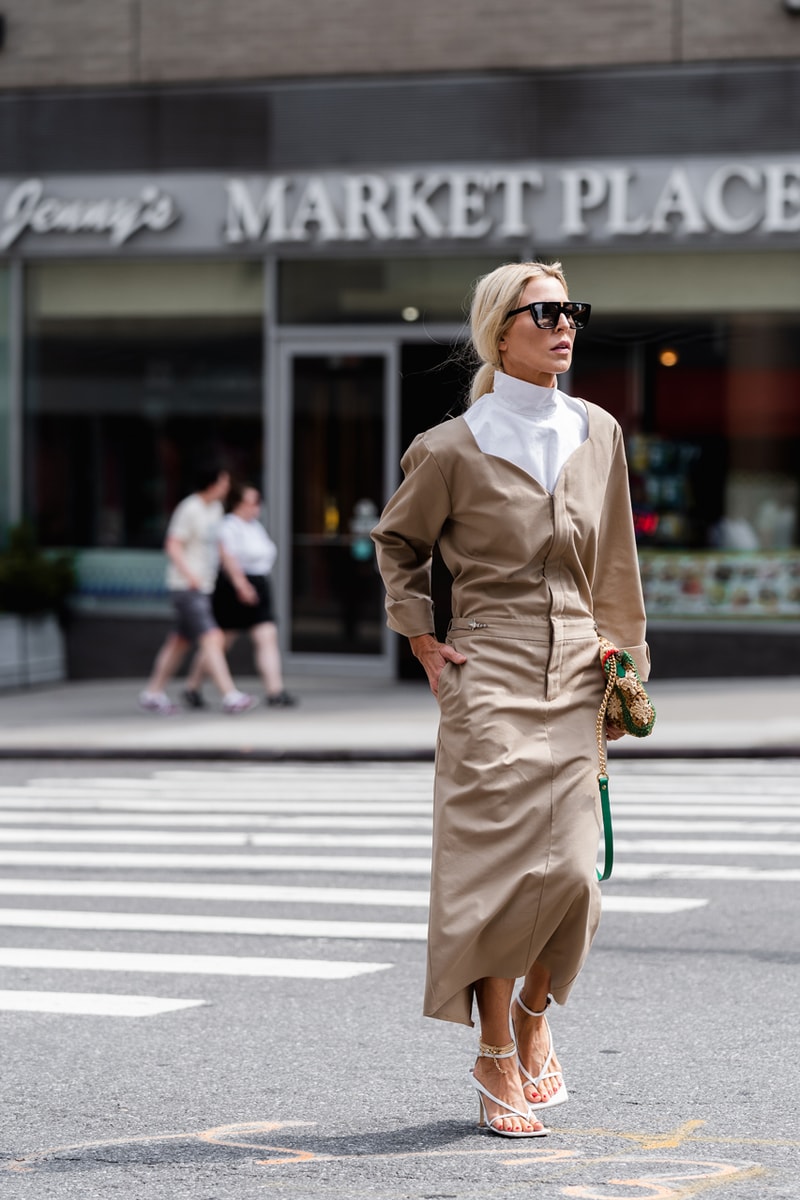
(665, 1141)
(652, 1192)
(705, 1185)
(25, 1163)
(680, 1184)
(223, 1135)
(659, 1178)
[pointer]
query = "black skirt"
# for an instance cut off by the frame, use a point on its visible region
(230, 613)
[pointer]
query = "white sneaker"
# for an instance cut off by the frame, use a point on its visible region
(157, 702)
(238, 702)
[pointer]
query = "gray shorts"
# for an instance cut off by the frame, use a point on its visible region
(193, 614)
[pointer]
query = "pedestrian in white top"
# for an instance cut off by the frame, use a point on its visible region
(248, 555)
(193, 553)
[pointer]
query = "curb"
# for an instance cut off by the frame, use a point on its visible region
(353, 754)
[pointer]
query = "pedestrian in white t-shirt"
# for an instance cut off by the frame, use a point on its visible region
(193, 553)
(248, 554)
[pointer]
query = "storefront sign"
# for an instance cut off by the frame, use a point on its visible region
(551, 204)
(29, 207)
(649, 202)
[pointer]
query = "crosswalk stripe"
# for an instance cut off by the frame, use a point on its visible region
(37, 918)
(229, 787)
(99, 860)
(400, 776)
(185, 964)
(332, 805)
(261, 893)
(95, 1004)
(709, 872)
(348, 815)
(626, 824)
(216, 820)
(712, 846)
(345, 865)
(710, 788)
(628, 808)
(654, 905)
(216, 892)
(26, 828)
(128, 837)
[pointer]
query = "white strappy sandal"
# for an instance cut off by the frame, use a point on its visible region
(561, 1095)
(496, 1052)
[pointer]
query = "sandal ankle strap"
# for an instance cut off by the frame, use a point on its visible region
(487, 1051)
(530, 1011)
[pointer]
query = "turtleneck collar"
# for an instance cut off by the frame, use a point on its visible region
(527, 399)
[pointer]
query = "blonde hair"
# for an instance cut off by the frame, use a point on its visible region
(493, 298)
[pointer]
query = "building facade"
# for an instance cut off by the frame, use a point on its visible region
(221, 230)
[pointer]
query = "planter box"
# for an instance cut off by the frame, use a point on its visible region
(31, 651)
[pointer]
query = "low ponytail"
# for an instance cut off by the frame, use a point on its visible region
(482, 381)
(495, 295)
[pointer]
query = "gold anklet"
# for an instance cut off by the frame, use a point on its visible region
(487, 1051)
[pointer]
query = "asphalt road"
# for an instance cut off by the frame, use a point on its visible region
(210, 987)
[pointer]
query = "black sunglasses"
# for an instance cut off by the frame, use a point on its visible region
(546, 313)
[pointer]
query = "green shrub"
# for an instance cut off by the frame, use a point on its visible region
(33, 582)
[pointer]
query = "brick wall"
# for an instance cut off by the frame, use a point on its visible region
(90, 42)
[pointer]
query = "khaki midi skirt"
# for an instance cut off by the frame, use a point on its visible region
(517, 818)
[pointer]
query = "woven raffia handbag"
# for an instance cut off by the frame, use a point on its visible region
(626, 706)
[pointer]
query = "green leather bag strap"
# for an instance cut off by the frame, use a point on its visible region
(608, 832)
(602, 778)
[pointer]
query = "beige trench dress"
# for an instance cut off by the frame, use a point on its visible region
(516, 808)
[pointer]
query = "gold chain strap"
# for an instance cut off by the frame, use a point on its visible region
(601, 717)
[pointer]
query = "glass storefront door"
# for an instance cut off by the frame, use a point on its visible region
(337, 430)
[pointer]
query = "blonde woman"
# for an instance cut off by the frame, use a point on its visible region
(527, 496)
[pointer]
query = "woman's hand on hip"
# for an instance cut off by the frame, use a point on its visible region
(434, 655)
(246, 592)
(613, 733)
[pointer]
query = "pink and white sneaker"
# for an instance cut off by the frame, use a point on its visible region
(157, 702)
(238, 702)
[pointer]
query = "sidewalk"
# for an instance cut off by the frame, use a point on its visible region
(368, 719)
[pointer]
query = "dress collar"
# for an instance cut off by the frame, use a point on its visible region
(527, 399)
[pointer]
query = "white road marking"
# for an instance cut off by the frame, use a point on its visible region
(721, 811)
(678, 789)
(39, 918)
(705, 871)
(763, 828)
(261, 893)
(185, 964)
(221, 820)
(37, 828)
(654, 905)
(140, 837)
(402, 776)
(216, 892)
(332, 805)
(368, 865)
(712, 846)
(94, 1004)
(99, 860)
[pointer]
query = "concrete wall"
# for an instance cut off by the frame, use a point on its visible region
(91, 42)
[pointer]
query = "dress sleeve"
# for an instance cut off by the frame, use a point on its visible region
(404, 539)
(617, 588)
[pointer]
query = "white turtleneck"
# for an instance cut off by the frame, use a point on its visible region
(535, 428)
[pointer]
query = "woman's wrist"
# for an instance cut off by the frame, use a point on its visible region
(421, 642)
